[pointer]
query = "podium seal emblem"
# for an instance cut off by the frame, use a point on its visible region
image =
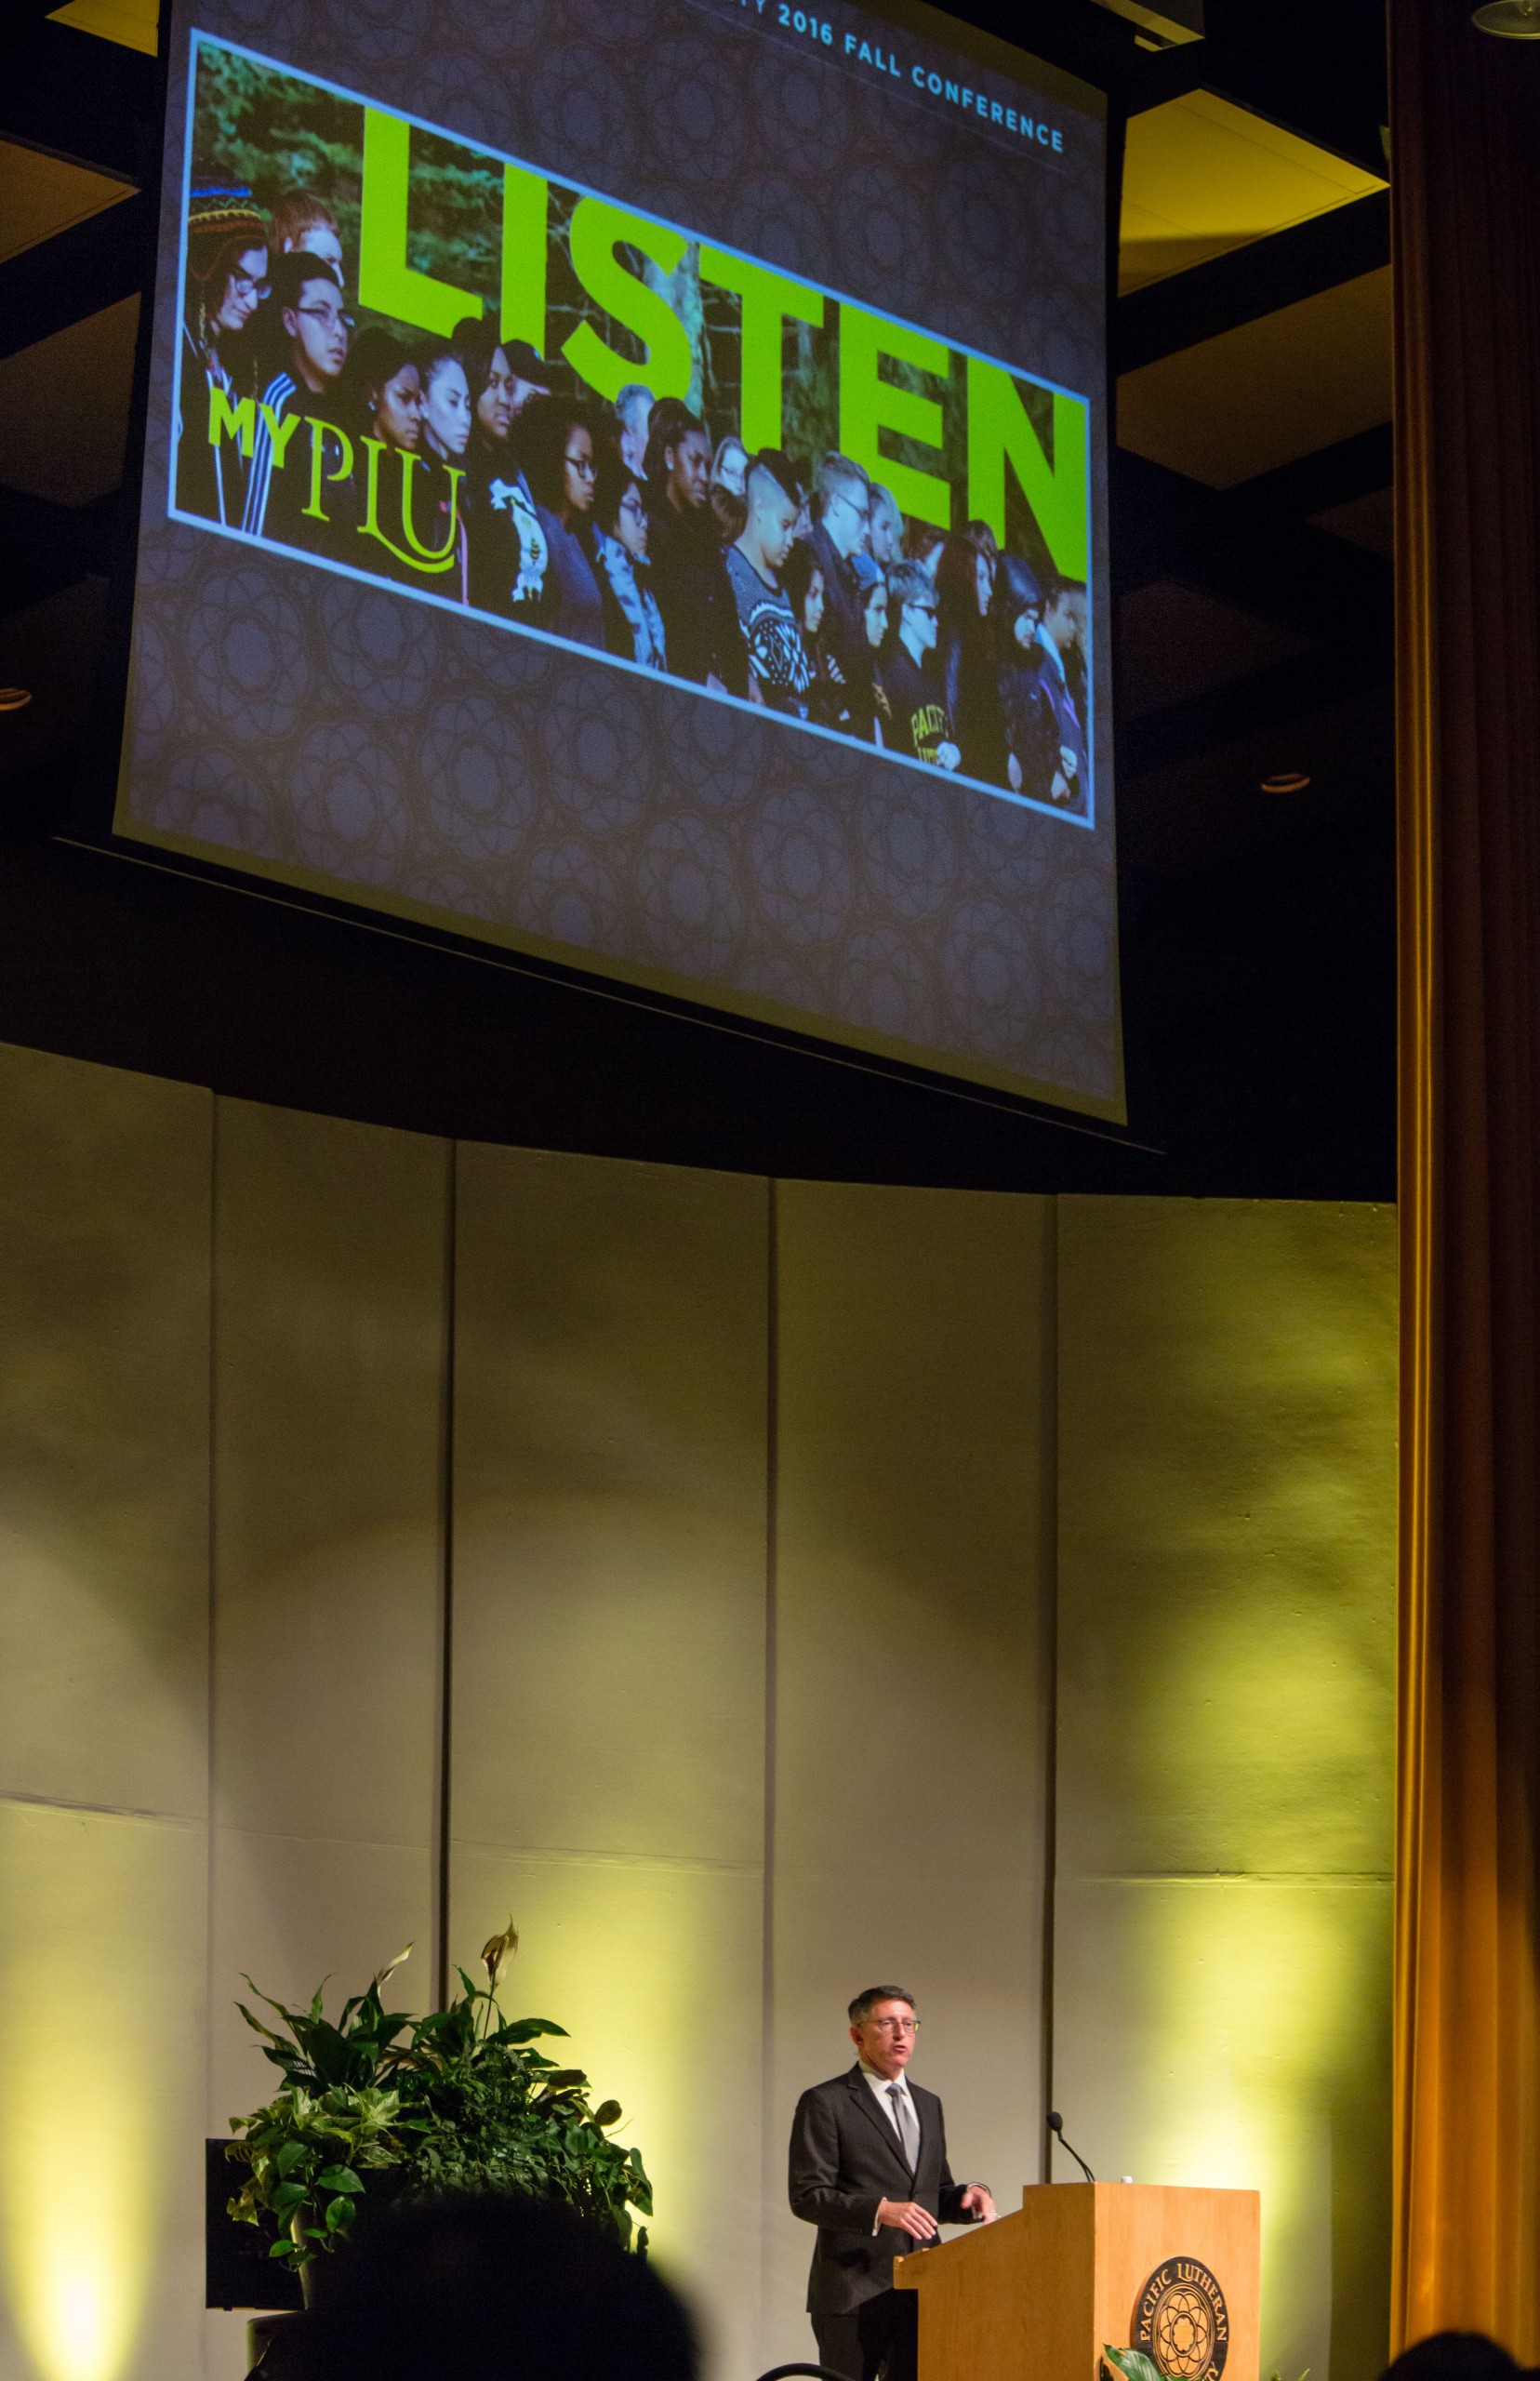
(1181, 2320)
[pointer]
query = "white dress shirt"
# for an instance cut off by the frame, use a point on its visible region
(880, 2087)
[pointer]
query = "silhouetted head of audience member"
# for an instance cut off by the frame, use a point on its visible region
(492, 2289)
(1455, 2356)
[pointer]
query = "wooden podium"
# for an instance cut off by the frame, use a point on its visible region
(1035, 2295)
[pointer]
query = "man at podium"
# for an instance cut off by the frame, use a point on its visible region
(869, 2167)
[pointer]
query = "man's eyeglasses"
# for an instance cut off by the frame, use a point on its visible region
(330, 315)
(861, 512)
(894, 2024)
(246, 285)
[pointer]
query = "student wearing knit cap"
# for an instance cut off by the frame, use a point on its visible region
(226, 261)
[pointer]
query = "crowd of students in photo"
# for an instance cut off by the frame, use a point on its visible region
(474, 468)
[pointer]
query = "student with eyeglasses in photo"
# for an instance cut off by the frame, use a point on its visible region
(921, 723)
(227, 263)
(561, 455)
(633, 625)
(841, 510)
(308, 321)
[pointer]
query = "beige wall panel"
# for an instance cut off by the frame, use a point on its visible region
(913, 1564)
(329, 1282)
(104, 1185)
(1225, 1696)
(607, 1731)
(102, 1922)
(103, 1435)
(653, 1967)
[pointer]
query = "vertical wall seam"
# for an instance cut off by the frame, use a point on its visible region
(443, 1781)
(1050, 1578)
(211, 1614)
(767, 1917)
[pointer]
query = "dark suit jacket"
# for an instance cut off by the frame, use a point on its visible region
(845, 2156)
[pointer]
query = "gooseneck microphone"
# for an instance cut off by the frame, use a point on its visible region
(1055, 2124)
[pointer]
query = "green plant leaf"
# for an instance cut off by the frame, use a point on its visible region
(1132, 2363)
(338, 2178)
(282, 2249)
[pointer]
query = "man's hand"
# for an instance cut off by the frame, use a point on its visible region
(907, 2216)
(979, 2204)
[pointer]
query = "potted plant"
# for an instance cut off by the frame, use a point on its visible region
(383, 2103)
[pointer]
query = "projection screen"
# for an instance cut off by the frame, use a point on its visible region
(628, 483)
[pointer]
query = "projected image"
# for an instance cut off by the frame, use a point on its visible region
(472, 428)
(626, 481)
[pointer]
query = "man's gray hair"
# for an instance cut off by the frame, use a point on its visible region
(836, 473)
(865, 2002)
(629, 396)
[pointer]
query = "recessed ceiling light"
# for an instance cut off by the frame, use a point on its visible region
(1515, 20)
(15, 697)
(1285, 782)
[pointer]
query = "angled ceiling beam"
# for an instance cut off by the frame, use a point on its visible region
(76, 273)
(77, 96)
(1241, 547)
(1357, 466)
(1317, 106)
(1269, 698)
(50, 546)
(1252, 281)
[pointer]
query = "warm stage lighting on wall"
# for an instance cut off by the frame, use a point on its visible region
(1286, 782)
(96, 1937)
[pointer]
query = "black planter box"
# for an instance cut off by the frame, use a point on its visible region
(237, 2269)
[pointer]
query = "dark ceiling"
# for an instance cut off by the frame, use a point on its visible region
(1252, 585)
